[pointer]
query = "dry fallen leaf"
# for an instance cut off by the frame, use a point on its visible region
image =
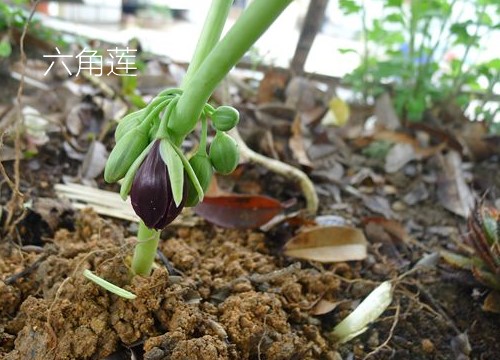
(296, 143)
(394, 228)
(492, 302)
(398, 156)
(385, 113)
(324, 307)
(452, 191)
(94, 161)
(237, 211)
(328, 244)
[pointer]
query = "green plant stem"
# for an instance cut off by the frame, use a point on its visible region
(210, 35)
(248, 28)
(407, 78)
(145, 250)
(366, 53)
(458, 81)
(203, 139)
(423, 70)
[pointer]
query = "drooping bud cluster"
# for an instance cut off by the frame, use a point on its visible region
(154, 170)
(224, 153)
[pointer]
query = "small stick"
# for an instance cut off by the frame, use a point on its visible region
(389, 337)
(13, 278)
(262, 278)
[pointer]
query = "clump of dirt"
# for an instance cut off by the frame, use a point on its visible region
(231, 301)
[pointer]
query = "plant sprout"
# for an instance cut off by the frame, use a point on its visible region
(148, 157)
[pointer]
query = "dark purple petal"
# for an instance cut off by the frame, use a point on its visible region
(150, 194)
(172, 210)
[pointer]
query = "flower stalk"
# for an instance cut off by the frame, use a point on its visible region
(145, 250)
(254, 21)
(154, 170)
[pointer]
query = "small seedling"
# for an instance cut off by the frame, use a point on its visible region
(483, 260)
(148, 157)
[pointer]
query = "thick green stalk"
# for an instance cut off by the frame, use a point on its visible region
(248, 28)
(210, 35)
(145, 250)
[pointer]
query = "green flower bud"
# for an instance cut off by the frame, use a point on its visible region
(128, 123)
(154, 129)
(224, 153)
(225, 118)
(202, 167)
(124, 154)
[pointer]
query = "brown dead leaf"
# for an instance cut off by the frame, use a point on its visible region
(394, 228)
(324, 307)
(272, 86)
(300, 94)
(401, 138)
(296, 143)
(398, 156)
(94, 161)
(385, 113)
(492, 302)
(235, 211)
(453, 192)
(473, 135)
(379, 205)
(84, 118)
(328, 244)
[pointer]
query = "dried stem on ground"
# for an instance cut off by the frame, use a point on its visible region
(389, 337)
(16, 202)
(288, 171)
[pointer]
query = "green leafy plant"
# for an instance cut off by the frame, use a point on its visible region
(13, 17)
(483, 258)
(148, 157)
(405, 51)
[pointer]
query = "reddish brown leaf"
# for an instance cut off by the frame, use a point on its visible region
(394, 228)
(238, 211)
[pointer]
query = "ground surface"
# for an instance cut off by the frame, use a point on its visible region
(233, 294)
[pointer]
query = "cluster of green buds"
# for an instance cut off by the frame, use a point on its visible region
(153, 168)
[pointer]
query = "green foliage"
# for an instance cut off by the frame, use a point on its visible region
(13, 17)
(404, 51)
(5, 48)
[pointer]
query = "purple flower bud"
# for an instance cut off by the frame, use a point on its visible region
(151, 192)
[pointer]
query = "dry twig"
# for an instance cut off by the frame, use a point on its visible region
(17, 199)
(389, 337)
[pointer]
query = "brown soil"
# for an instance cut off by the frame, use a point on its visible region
(233, 294)
(231, 301)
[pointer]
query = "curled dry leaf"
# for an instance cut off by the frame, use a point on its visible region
(398, 156)
(238, 211)
(394, 228)
(492, 302)
(452, 191)
(328, 244)
(296, 143)
(385, 113)
(94, 161)
(324, 307)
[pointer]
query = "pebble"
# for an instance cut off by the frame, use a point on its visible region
(398, 206)
(427, 346)
(373, 340)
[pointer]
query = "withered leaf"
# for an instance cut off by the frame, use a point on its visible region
(328, 244)
(238, 211)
